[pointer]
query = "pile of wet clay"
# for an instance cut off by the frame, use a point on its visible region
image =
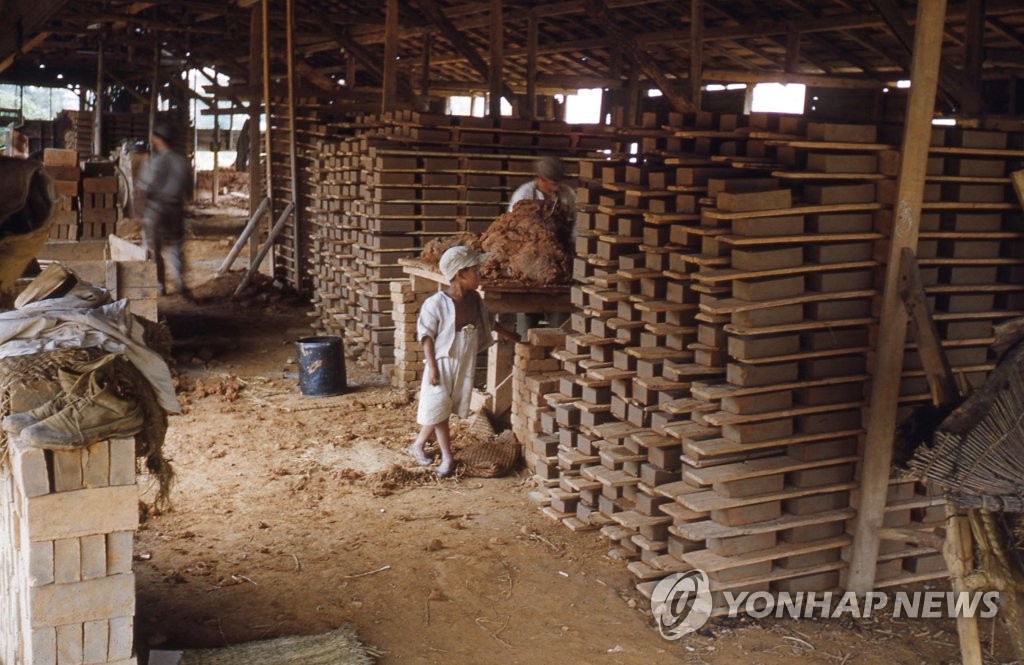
(531, 244)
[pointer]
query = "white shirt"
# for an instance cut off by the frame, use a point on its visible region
(529, 191)
(437, 320)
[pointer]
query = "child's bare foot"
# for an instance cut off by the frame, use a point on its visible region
(418, 454)
(446, 468)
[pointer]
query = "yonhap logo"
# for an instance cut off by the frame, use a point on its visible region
(681, 603)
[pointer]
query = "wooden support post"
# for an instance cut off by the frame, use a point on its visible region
(499, 368)
(247, 232)
(350, 69)
(633, 97)
(959, 554)
(97, 112)
(154, 87)
(929, 346)
(267, 244)
(268, 183)
(793, 51)
(892, 328)
(215, 182)
(497, 57)
(428, 45)
(974, 44)
(1018, 186)
(293, 149)
(256, 194)
(696, 50)
(531, 65)
(389, 99)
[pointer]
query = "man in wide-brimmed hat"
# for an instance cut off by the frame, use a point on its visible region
(165, 182)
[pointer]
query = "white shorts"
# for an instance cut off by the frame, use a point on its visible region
(455, 387)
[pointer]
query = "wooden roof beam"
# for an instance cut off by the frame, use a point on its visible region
(951, 80)
(435, 14)
(599, 11)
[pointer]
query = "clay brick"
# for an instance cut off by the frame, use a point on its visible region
(847, 280)
(741, 515)
(43, 648)
(816, 582)
(977, 222)
(810, 452)
(857, 222)
(928, 563)
(678, 546)
(833, 194)
(809, 559)
(94, 556)
(825, 475)
(742, 374)
(766, 259)
(763, 346)
(841, 132)
(749, 201)
(844, 392)
(841, 163)
(760, 403)
(121, 638)
(888, 569)
(68, 470)
(751, 486)
(736, 545)
(60, 604)
(95, 642)
(829, 422)
(812, 532)
(60, 157)
(30, 470)
(67, 560)
(770, 316)
(837, 338)
(839, 309)
(122, 461)
(822, 368)
(896, 518)
(817, 503)
(83, 513)
(771, 288)
(839, 252)
(40, 564)
(69, 644)
(741, 572)
(980, 168)
(769, 226)
(766, 430)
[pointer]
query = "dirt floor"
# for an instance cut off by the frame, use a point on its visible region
(295, 515)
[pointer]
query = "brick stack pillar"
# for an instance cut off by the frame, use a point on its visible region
(67, 526)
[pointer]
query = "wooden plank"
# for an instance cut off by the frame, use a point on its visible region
(800, 210)
(892, 333)
(759, 241)
(959, 554)
(497, 57)
(709, 529)
(709, 561)
(765, 466)
(709, 500)
(717, 448)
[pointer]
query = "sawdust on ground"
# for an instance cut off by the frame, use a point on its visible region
(296, 515)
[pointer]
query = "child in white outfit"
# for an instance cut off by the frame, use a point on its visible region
(453, 326)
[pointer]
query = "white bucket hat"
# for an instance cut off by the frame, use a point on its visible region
(457, 258)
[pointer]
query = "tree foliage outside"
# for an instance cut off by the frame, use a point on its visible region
(35, 102)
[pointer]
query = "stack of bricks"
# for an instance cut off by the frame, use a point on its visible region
(99, 200)
(62, 166)
(400, 180)
(536, 373)
(67, 521)
(407, 296)
(727, 438)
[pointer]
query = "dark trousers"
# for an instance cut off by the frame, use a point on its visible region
(163, 230)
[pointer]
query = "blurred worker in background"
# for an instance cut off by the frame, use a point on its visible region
(548, 185)
(165, 182)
